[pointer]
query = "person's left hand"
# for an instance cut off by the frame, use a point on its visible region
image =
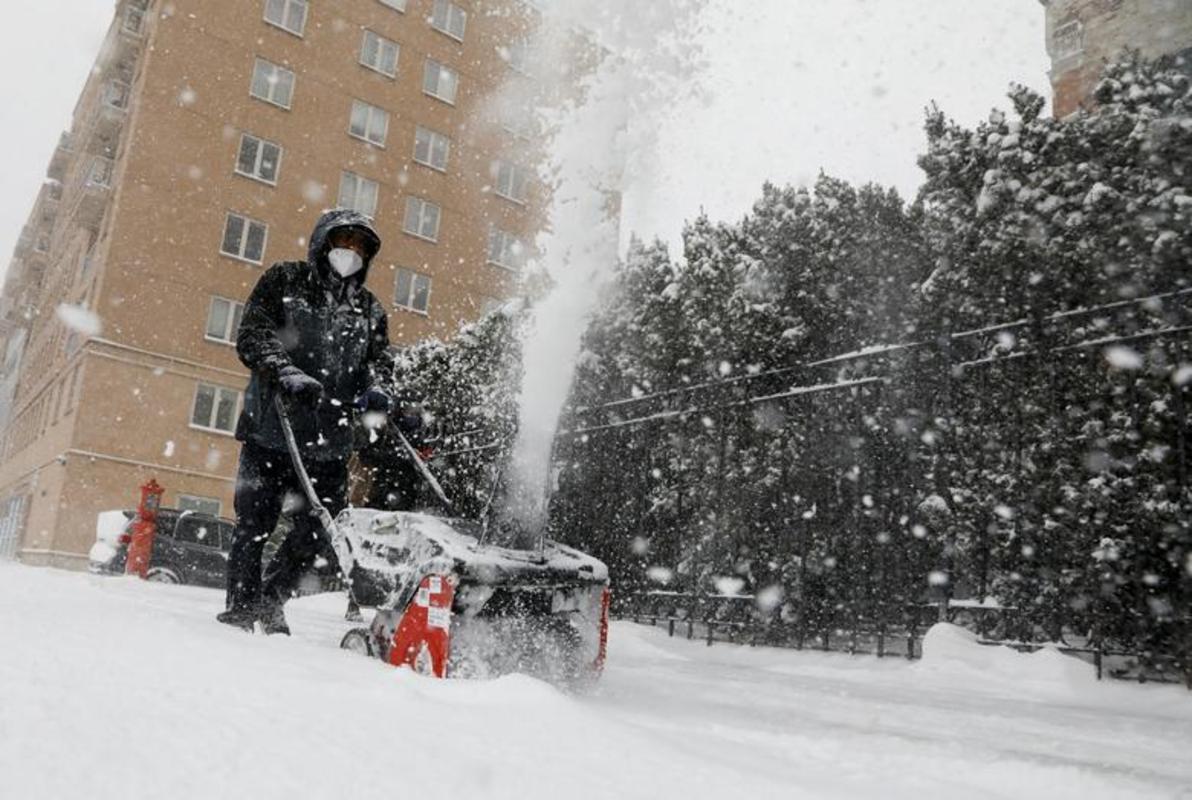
(410, 421)
(374, 399)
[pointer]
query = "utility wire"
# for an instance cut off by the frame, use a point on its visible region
(876, 350)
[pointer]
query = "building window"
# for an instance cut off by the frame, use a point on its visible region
(59, 394)
(396, 5)
(1068, 40)
(215, 408)
(244, 238)
(200, 505)
(134, 17)
(511, 180)
(115, 95)
(521, 125)
(440, 82)
(413, 291)
(258, 159)
(12, 520)
(505, 250)
(369, 123)
(448, 18)
(517, 56)
(100, 173)
(380, 54)
(73, 395)
(431, 148)
(223, 320)
(272, 83)
(289, 15)
(358, 193)
(422, 219)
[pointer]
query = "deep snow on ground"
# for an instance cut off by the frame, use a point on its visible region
(114, 688)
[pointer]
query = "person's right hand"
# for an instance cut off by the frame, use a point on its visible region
(297, 385)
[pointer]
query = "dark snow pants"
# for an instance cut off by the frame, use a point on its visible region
(263, 480)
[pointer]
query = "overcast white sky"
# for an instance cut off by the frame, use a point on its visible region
(800, 85)
(795, 86)
(47, 48)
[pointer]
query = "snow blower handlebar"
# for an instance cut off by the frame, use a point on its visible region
(317, 509)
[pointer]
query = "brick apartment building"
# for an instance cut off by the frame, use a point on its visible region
(207, 140)
(1083, 34)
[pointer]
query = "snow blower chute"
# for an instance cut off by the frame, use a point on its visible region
(451, 605)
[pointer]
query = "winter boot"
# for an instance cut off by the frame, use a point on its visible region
(242, 618)
(353, 613)
(273, 618)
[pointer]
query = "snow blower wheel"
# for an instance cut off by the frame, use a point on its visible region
(358, 640)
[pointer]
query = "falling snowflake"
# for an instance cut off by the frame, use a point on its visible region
(1122, 357)
(769, 598)
(660, 575)
(80, 320)
(729, 585)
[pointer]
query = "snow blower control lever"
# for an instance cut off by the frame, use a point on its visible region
(424, 470)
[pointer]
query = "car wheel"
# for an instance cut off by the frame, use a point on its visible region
(162, 575)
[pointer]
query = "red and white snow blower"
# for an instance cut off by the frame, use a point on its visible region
(450, 604)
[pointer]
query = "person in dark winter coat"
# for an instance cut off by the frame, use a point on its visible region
(312, 334)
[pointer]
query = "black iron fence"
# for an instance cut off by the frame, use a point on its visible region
(738, 619)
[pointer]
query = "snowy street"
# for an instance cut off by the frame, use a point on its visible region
(123, 689)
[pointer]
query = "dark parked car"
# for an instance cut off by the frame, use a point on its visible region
(190, 547)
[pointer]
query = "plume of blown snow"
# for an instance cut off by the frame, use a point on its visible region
(601, 140)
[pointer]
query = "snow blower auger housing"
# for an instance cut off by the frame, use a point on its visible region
(450, 606)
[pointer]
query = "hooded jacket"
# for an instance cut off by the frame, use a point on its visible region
(305, 315)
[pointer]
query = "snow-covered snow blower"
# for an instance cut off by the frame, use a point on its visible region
(451, 605)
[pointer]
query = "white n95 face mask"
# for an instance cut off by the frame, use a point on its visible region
(346, 262)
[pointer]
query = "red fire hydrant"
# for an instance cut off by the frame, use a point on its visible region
(144, 530)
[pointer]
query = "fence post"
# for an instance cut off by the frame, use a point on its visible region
(690, 628)
(881, 641)
(711, 627)
(826, 640)
(670, 627)
(1097, 660)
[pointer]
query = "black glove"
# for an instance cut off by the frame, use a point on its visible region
(374, 399)
(410, 422)
(297, 385)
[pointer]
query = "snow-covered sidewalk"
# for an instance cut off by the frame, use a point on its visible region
(117, 688)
